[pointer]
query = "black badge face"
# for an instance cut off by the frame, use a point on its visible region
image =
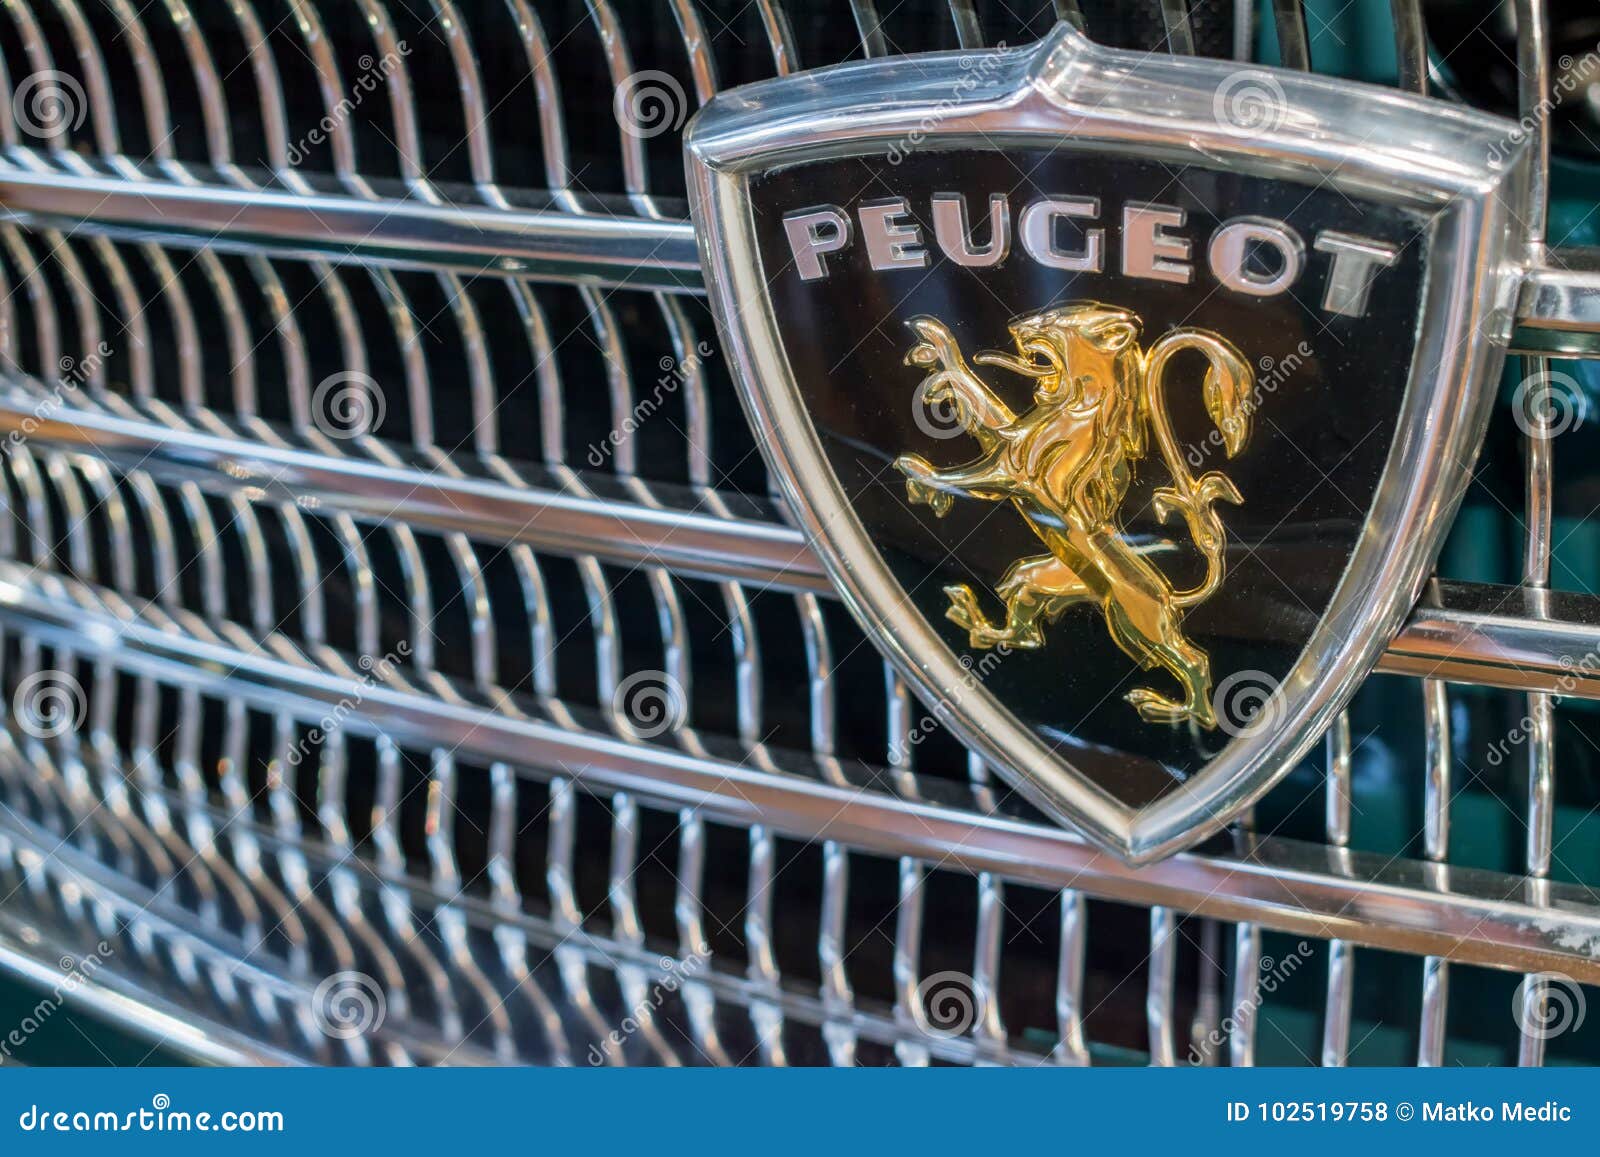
(1115, 426)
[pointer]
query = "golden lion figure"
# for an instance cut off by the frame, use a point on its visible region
(1066, 465)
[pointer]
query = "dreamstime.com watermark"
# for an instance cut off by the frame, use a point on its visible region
(1271, 375)
(1573, 74)
(1273, 973)
(674, 374)
(48, 704)
(77, 971)
(1250, 101)
(974, 71)
(1548, 404)
(159, 1117)
(373, 73)
(347, 405)
(650, 703)
(674, 972)
(74, 373)
(1573, 669)
(942, 712)
(375, 671)
(49, 103)
(649, 103)
(1548, 1004)
(348, 1004)
(1247, 703)
(949, 1004)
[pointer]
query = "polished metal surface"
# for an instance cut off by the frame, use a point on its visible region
(691, 531)
(1465, 915)
(1395, 150)
(1559, 309)
(478, 837)
(594, 248)
(1465, 633)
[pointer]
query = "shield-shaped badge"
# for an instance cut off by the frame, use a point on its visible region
(1126, 397)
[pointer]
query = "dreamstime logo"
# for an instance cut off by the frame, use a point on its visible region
(1249, 101)
(48, 104)
(77, 971)
(951, 1003)
(1573, 75)
(674, 972)
(1272, 975)
(373, 72)
(348, 405)
(347, 1005)
(674, 374)
(74, 372)
(374, 673)
(49, 703)
(652, 702)
(1271, 374)
(936, 411)
(1560, 1011)
(650, 103)
(974, 71)
(976, 671)
(1548, 404)
(1247, 704)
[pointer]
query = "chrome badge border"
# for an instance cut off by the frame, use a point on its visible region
(1458, 166)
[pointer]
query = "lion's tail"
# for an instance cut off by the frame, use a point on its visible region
(1226, 393)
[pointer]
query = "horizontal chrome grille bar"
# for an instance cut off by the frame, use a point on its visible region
(1518, 638)
(705, 535)
(29, 958)
(1485, 635)
(604, 249)
(158, 931)
(1465, 915)
(1558, 310)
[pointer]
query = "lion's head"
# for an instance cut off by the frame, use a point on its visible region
(1074, 353)
(1085, 358)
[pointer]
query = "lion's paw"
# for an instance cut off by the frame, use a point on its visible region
(1153, 707)
(920, 493)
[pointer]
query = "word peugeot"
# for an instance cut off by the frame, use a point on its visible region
(1128, 437)
(1253, 255)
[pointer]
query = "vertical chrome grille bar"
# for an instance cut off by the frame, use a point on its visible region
(1436, 846)
(765, 1011)
(1246, 975)
(989, 1028)
(1533, 87)
(1246, 979)
(1341, 955)
(1163, 982)
(780, 36)
(547, 100)
(870, 26)
(969, 32)
(689, 914)
(1411, 45)
(402, 103)
(619, 62)
(908, 1009)
(1294, 46)
(474, 108)
(1180, 32)
(1072, 1049)
(1069, 11)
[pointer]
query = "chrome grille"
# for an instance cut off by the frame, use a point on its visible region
(522, 709)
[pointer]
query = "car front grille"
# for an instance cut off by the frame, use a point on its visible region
(408, 661)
